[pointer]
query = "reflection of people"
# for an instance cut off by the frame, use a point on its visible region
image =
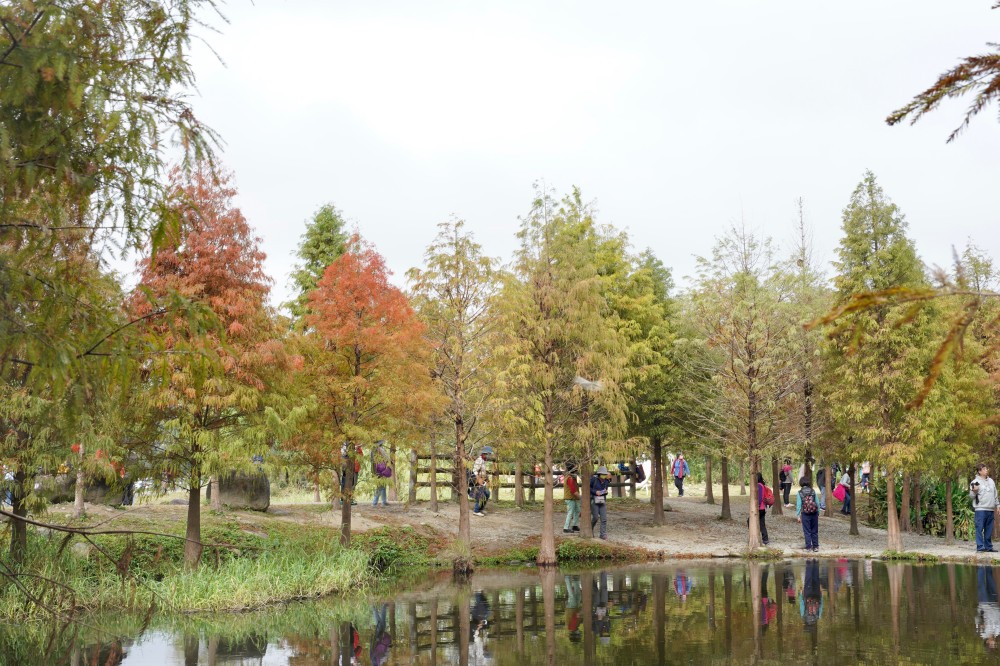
(601, 621)
(479, 629)
(811, 597)
(768, 607)
(788, 584)
(682, 584)
(381, 638)
(988, 611)
(574, 590)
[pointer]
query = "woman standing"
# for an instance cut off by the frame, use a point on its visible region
(599, 484)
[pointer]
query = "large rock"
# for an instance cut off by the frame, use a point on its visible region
(245, 491)
(56, 488)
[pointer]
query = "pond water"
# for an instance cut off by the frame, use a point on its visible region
(796, 611)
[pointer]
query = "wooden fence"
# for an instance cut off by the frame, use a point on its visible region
(426, 471)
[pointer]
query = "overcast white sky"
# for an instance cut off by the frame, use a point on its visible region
(679, 119)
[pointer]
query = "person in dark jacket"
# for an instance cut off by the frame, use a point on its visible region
(599, 484)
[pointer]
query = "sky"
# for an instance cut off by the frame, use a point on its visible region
(678, 120)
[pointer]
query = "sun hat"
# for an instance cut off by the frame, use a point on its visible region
(602, 471)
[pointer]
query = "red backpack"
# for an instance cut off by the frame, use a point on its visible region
(768, 496)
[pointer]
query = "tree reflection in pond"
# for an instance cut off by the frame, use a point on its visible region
(820, 611)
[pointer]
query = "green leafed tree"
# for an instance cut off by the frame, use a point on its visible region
(455, 296)
(559, 329)
(740, 303)
(324, 240)
(876, 356)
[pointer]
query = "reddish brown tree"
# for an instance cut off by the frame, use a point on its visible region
(210, 391)
(379, 377)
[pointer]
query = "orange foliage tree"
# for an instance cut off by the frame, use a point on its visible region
(377, 360)
(211, 392)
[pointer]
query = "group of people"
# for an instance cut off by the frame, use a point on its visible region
(600, 482)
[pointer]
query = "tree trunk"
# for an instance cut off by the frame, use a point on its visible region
(709, 490)
(895, 538)
(665, 473)
(657, 480)
(828, 491)
(727, 513)
(18, 528)
(918, 525)
(345, 499)
(743, 478)
(547, 549)
(534, 483)
(81, 486)
(586, 471)
(631, 483)
(949, 522)
(434, 483)
(392, 493)
(904, 513)
(518, 485)
(193, 547)
(854, 502)
(216, 495)
(412, 498)
(754, 540)
(464, 529)
(776, 488)
(317, 497)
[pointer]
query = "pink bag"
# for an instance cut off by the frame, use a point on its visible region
(840, 492)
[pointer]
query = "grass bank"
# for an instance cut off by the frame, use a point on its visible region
(244, 566)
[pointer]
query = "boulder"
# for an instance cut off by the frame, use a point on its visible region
(245, 491)
(56, 488)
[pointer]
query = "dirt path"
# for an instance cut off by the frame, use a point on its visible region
(692, 529)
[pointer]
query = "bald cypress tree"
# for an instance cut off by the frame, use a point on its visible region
(876, 356)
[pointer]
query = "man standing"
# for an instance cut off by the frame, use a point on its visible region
(983, 493)
(480, 480)
(680, 470)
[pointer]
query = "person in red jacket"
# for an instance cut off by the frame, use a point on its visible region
(571, 493)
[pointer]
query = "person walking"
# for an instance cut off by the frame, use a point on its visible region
(599, 484)
(761, 507)
(807, 513)
(786, 482)
(821, 487)
(680, 470)
(866, 476)
(571, 492)
(480, 480)
(983, 493)
(382, 472)
(845, 482)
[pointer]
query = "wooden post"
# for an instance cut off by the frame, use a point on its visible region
(518, 485)
(413, 476)
(392, 493)
(434, 484)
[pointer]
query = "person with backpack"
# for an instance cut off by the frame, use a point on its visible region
(382, 472)
(571, 493)
(807, 513)
(679, 470)
(599, 484)
(786, 482)
(765, 498)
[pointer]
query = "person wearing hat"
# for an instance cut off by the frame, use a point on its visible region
(481, 475)
(599, 484)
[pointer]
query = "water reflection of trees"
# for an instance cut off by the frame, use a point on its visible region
(821, 611)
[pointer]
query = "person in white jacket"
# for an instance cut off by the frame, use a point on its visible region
(983, 493)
